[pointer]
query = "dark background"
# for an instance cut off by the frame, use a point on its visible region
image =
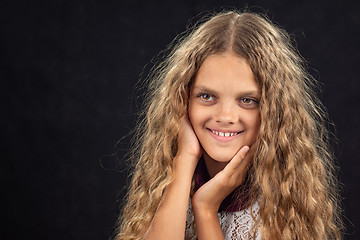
(68, 71)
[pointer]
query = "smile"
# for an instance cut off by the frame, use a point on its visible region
(224, 134)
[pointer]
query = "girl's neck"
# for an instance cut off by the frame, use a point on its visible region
(213, 166)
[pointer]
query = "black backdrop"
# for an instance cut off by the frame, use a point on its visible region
(68, 70)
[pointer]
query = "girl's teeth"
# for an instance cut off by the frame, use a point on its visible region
(222, 134)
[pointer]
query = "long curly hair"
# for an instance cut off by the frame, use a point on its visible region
(292, 172)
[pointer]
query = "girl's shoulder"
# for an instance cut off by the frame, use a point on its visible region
(234, 225)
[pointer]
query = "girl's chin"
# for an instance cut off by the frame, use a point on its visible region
(223, 158)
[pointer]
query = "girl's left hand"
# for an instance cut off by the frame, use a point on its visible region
(209, 196)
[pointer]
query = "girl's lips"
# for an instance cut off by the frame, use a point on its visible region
(224, 136)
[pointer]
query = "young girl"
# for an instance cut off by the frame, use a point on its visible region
(232, 144)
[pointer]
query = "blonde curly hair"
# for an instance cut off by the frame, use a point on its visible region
(293, 168)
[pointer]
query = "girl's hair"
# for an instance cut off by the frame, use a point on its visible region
(292, 172)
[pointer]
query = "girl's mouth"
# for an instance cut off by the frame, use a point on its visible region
(224, 134)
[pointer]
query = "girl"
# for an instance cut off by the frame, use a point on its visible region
(232, 144)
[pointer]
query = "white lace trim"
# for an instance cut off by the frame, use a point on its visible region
(234, 225)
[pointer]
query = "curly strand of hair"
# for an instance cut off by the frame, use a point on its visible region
(292, 163)
(156, 146)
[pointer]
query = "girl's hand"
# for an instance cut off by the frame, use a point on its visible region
(170, 218)
(208, 197)
(189, 148)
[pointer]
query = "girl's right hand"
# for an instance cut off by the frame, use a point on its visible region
(189, 147)
(170, 218)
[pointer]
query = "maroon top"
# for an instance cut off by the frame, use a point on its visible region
(236, 201)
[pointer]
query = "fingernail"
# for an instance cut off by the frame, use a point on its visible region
(246, 149)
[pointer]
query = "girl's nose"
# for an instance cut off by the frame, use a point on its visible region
(225, 113)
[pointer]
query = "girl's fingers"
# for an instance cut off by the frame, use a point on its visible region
(240, 160)
(188, 144)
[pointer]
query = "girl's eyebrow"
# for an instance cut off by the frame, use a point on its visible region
(250, 93)
(205, 89)
(244, 93)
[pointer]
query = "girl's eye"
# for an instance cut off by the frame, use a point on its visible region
(206, 97)
(247, 100)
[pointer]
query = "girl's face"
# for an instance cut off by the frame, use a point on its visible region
(224, 106)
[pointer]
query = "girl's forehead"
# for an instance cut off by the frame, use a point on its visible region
(225, 71)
